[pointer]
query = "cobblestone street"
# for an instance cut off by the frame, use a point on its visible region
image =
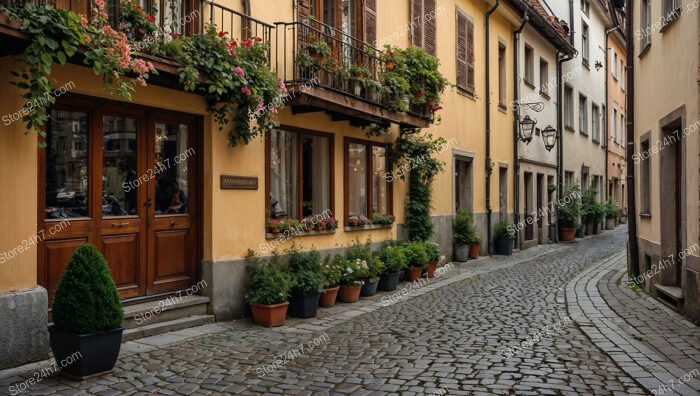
(494, 326)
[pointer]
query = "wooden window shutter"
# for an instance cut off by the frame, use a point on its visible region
(461, 50)
(429, 27)
(417, 23)
(371, 22)
(304, 9)
(470, 55)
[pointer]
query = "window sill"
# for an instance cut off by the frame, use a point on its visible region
(368, 227)
(614, 76)
(569, 128)
(583, 133)
(674, 16)
(645, 215)
(528, 83)
(644, 50)
(545, 95)
(585, 63)
(290, 235)
(502, 108)
(470, 95)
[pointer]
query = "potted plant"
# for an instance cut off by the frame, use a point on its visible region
(331, 223)
(504, 236)
(331, 281)
(474, 244)
(370, 280)
(568, 211)
(307, 224)
(353, 220)
(416, 259)
(394, 262)
(268, 288)
(135, 22)
(611, 213)
(273, 226)
(598, 216)
(87, 315)
(350, 286)
(307, 273)
(462, 226)
(579, 230)
(589, 211)
(432, 249)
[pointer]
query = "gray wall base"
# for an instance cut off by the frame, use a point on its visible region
(24, 335)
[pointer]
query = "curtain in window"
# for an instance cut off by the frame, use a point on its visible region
(321, 175)
(379, 182)
(283, 174)
(357, 179)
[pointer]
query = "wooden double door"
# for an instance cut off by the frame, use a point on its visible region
(126, 180)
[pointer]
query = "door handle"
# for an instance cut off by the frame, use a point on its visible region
(173, 223)
(148, 202)
(120, 224)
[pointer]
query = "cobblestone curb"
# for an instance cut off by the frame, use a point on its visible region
(603, 326)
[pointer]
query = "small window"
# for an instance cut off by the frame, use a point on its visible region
(585, 6)
(568, 179)
(544, 77)
(623, 129)
(614, 124)
(529, 65)
(502, 76)
(645, 18)
(585, 50)
(645, 174)
(569, 107)
(583, 114)
(614, 65)
(465, 52)
(369, 191)
(596, 123)
(670, 7)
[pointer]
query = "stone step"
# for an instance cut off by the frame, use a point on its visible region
(164, 310)
(166, 327)
(671, 296)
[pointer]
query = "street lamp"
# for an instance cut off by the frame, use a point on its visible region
(527, 125)
(549, 137)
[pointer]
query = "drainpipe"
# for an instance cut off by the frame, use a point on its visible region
(516, 121)
(560, 130)
(633, 265)
(489, 167)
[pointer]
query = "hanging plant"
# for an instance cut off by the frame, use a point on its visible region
(56, 35)
(238, 85)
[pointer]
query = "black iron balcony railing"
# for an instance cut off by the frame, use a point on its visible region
(316, 54)
(238, 24)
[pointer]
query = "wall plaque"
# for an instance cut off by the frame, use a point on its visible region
(239, 182)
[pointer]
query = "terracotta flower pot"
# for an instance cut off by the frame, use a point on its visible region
(349, 293)
(269, 315)
(275, 230)
(320, 227)
(567, 234)
(328, 297)
(414, 273)
(430, 269)
(474, 249)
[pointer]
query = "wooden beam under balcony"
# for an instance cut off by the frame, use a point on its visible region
(346, 106)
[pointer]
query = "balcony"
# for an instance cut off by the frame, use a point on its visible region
(330, 71)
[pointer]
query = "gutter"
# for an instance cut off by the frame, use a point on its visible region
(516, 119)
(489, 167)
(606, 130)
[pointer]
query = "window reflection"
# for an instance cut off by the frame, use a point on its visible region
(379, 181)
(170, 168)
(357, 179)
(66, 165)
(119, 177)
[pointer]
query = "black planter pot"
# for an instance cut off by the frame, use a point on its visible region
(388, 282)
(303, 305)
(596, 226)
(504, 246)
(369, 288)
(579, 232)
(86, 355)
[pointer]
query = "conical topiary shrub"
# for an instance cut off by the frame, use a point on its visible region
(86, 299)
(88, 316)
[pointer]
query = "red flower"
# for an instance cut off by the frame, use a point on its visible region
(151, 18)
(248, 43)
(138, 7)
(391, 54)
(233, 44)
(335, 56)
(222, 33)
(258, 39)
(438, 108)
(175, 35)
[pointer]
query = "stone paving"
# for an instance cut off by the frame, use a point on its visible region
(494, 326)
(648, 340)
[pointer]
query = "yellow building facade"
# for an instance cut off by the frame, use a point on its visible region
(193, 219)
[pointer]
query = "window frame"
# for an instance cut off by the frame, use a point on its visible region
(468, 63)
(583, 115)
(544, 78)
(585, 43)
(300, 132)
(368, 181)
(502, 76)
(645, 176)
(569, 110)
(529, 75)
(645, 24)
(595, 122)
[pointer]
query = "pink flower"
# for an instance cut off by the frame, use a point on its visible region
(283, 87)
(261, 107)
(246, 91)
(100, 4)
(239, 71)
(141, 81)
(83, 21)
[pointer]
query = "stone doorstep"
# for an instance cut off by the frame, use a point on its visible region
(625, 354)
(336, 315)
